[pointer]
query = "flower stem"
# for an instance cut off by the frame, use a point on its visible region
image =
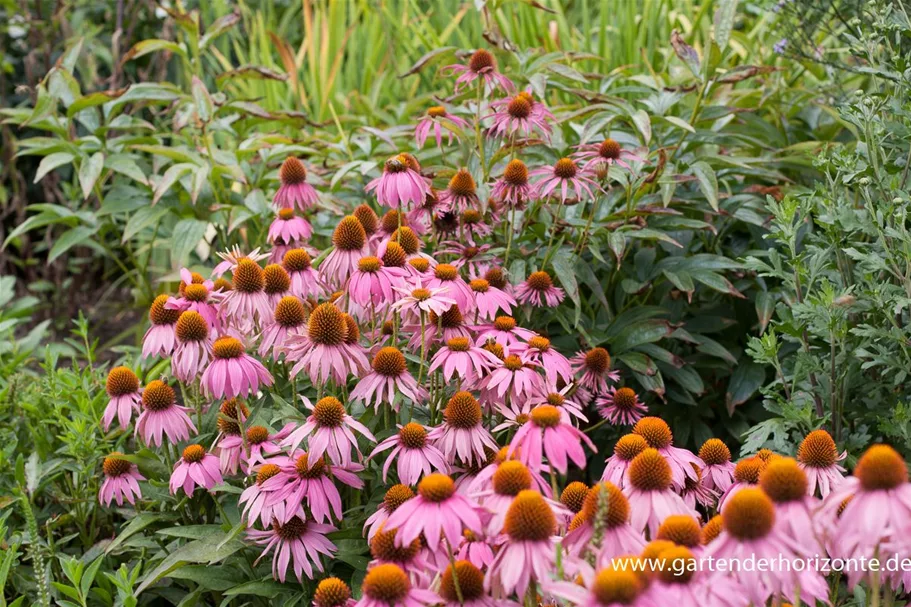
(455, 574)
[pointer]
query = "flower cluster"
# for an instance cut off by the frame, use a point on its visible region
(403, 350)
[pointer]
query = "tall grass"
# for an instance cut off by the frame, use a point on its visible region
(344, 55)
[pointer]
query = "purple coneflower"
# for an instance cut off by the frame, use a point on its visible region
(519, 116)
(503, 331)
(548, 431)
(294, 190)
(595, 366)
(446, 276)
(621, 406)
(605, 507)
(538, 351)
(490, 300)
(650, 493)
(302, 478)
(322, 350)
(476, 550)
(162, 415)
(539, 291)
(255, 500)
(232, 414)
(329, 430)
(416, 456)
(195, 467)
(122, 387)
(401, 184)
(564, 177)
(786, 483)
(416, 299)
(625, 450)
(289, 229)
(305, 281)
(460, 358)
(233, 372)
(599, 157)
(394, 497)
(332, 592)
(349, 242)
(746, 474)
(718, 472)
(462, 435)
(513, 188)
(194, 346)
(819, 458)
(247, 304)
(276, 285)
(198, 297)
(387, 585)
(371, 285)
(511, 478)
(482, 65)
(159, 339)
(512, 378)
(461, 194)
(120, 481)
(297, 542)
(470, 591)
(658, 435)
(437, 118)
(289, 316)
(388, 379)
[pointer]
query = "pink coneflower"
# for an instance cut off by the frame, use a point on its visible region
(195, 467)
(416, 299)
(678, 580)
(746, 474)
(595, 366)
(446, 276)
(786, 483)
(476, 550)
(482, 65)
(819, 458)
(538, 351)
(718, 472)
(371, 285)
(388, 380)
(539, 291)
(232, 414)
(233, 256)
(527, 552)
(120, 481)
(332, 592)
(322, 349)
(438, 511)
(388, 585)
(484, 477)
(489, 300)
(504, 331)
(401, 184)
(621, 406)
(416, 456)
(194, 346)
(650, 493)
(122, 387)
(462, 435)
(519, 116)
(470, 255)
(255, 500)
(162, 415)
(260, 443)
(349, 242)
(437, 118)
(329, 430)
(395, 496)
(513, 379)
(294, 190)
(695, 492)
(305, 281)
(868, 512)
(659, 436)
(611, 587)
(198, 297)
(289, 229)
(511, 478)
(470, 591)
(605, 507)
(385, 549)
(513, 188)
(298, 542)
(749, 531)
(600, 157)
(472, 223)
(563, 177)
(290, 316)
(460, 358)
(159, 339)
(461, 194)
(247, 304)
(625, 450)
(233, 372)
(276, 285)
(301, 478)
(549, 432)
(560, 399)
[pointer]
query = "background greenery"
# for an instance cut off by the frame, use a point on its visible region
(754, 284)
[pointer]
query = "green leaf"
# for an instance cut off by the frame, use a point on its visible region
(708, 182)
(686, 53)
(680, 122)
(143, 218)
(205, 550)
(69, 239)
(51, 162)
(187, 234)
(724, 22)
(644, 332)
(125, 165)
(89, 172)
(204, 105)
(563, 262)
(169, 178)
(267, 589)
(746, 379)
(153, 45)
